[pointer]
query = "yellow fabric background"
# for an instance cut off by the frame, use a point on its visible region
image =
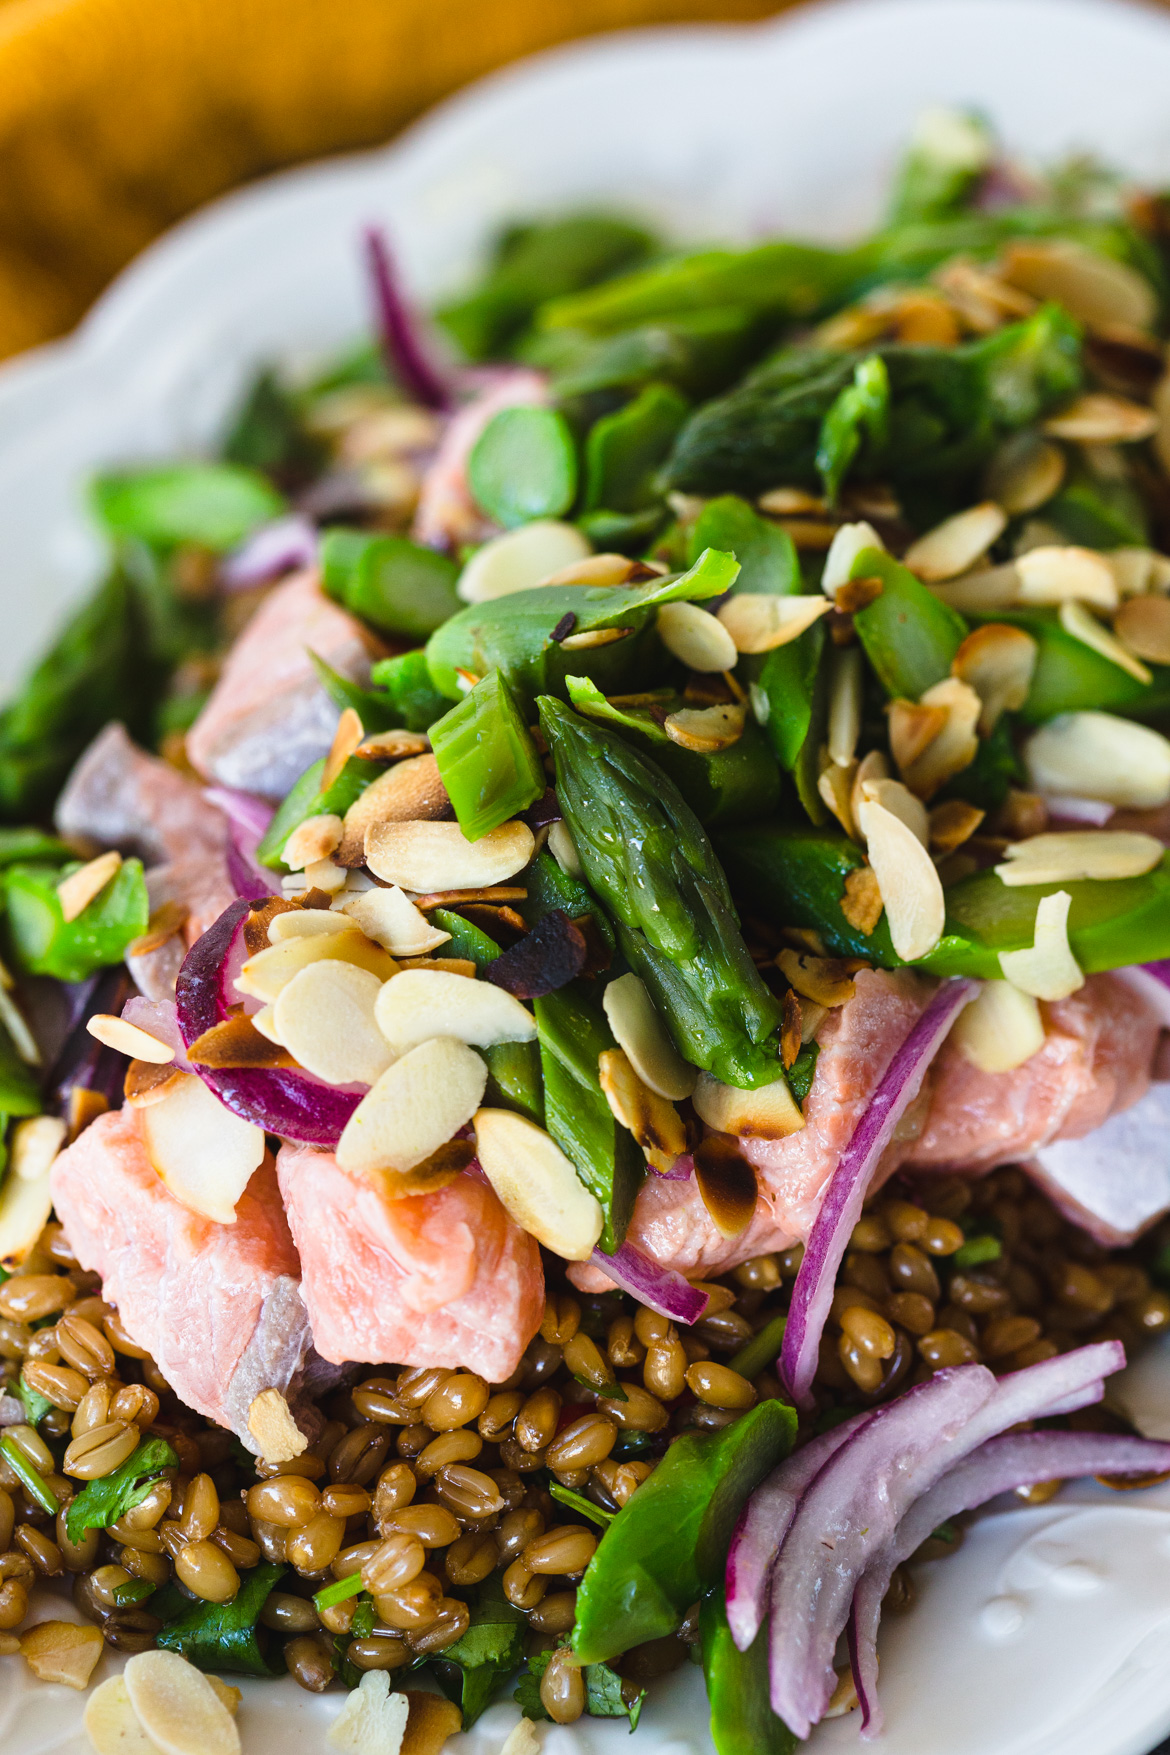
(117, 117)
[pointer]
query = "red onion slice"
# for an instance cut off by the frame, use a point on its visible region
(405, 357)
(660, 1288)
(282, 546)
(841, 1208)
(1067, 807)
(681, 1170)
(1152, 981)
(248, 818)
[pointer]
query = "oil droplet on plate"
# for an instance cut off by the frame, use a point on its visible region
(1002, 1617)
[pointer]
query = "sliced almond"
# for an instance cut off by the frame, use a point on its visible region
(127, 1038)
(1161, 401)
(165, 921)
(872, 766)
(1025, 473)
(264, 1021)
(790, 502)
(112, 1724)
(272, 1426)
(983, 591)
(759, 622)
(1076, 620)
(1100, 419)
(325, 1018)
(418, 1104)
(326, 875)
(564, 849)
(998, 661)
(147, 1082)
(422, 1003)
(585, 642)
(448, 965)
(984, 300)
(846, 685)
(707, 729)
(1047, 970)
(537, 1184)
(825, 980)
(438, 856)
(925, 319)
(955, 746)
(604, 569)
(1139, 570)
(857, 594)
(373, 1719)
(265, 975)
(640, 1032)
(226, 1694)
(835, 786)
(25, 1205)
(63, 1651)
(957, 543)
(522, 1739)
(1097, 755)
(392, 920)
(392, 745)
(177, 1707)
(432, 1720)
(769, 1113)
(952, 823)
(847, 544)
(34, 1145)
(307, 923)
(346, 741)
(494, 894)
(1095, 288)
(78, 890)
(909, 883)
(203, 1153)
(315, 838)
(84, 1107)
(901, 801)
(913, 728)
(727, 1185)
(654, 1121)
(1080, 853)
(1144, 625)
(809, 534)
(695, 637)
(812, 1016)
(861, 903)
(1000, 1029)
(521, 559)
(236, 1042)
(1062, 575)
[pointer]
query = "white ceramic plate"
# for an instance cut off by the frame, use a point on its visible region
(1050, 1634)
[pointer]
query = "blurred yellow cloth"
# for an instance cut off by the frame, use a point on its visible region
(117, 117)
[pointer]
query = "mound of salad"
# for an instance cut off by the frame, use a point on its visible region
(586, 975)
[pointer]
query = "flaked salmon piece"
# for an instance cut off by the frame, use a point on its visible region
(268, 717)
(218, 1307)
(437, 1279)
(1099, 1048)
(1115, 1181)
(857, 1042)
(446, 516)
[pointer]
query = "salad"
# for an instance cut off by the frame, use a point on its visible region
(586, 934)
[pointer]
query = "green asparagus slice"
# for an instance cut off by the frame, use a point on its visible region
(413, 697)
(396, 585)
(487, 759)
(910, 636)
(768, 562)
(524, 466)
(649, 859)
(213, 505)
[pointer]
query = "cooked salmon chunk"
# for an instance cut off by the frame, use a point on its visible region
(218, 1307)
(436, 1279)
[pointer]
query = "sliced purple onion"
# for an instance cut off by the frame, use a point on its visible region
(405, 356)
(1152, 981)
(159, 1018)
(248, 818)
(282, 546)
(841, 1208)
(1067, 808)
(291, 1104)
(84, 1063)
(658, 1287)
(1000, 1466)
(681, 1170)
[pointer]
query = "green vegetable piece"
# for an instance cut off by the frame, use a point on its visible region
(1099, 511)
(978, 1249)
(371, 706)
(470, 1671)
(577, 1502)
(45, 943)
(487, 759)
(910, 636)
(396, 585)
(307, 799)
(213, 505)
(623, 533)
(524, 466)
(101, 1503)
(32, 845)
(647, 856)
(950, 151)
(35, 1406)
(572, 1032)
(467, 940)
(607, 1695)
(133, 1592)
(19, 1092)
(625, 450)
(1071, 677)
(362, 1624)
(742, 1720)
(550, 888)
(762, 1351)
(860, 411)
(412, 696)
(228, 1636)
(29, 1477)
(514, 1080)
(269, 434)
(800, 873)
(667, 1546)
(786, 689)
(339, 1592)
(768, 562)
(803, 1070)
(698, 352)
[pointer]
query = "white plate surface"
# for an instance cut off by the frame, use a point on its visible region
(1050, 1633)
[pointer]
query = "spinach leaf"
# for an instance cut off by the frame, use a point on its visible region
(223, 1636)
(103, 1502)
(470, 1671)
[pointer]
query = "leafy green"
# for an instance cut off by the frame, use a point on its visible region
(30, 1478)
(35, 1406)
(45, 943)
(407, 683)
(306, 798)
(470, 1671)
(977, 1250)
(524, 466)
(697, 352)
(372, 706)
(860, 410)
(133, 1592)
(101, 1503)
(225, 1636)
(742, 1720)
(910, 636)
(268, 433)
(213, 505)
(949, 151)
(625, 450)
(768, 562)
(577, 1502)
(606, 1694)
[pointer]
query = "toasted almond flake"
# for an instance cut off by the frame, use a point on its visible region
(846, 683)
(790, 501)
(487, 893)
(1025, 473)
(998, 661)
(847, 544)
(810, 534)
(954, 747)
(759, 621)
(165, 921)
(727, 1185)
(34, 1145)
(872, 766)
(438, 856)
(15, 1022)
(854, 327)
(78, 890)
(695, 637)
(812, 1016)
(432, 1720)
(983, 591)
(1000, 1029)
(913, 727)
(640, 1032)
(373, 1719)
(769, 1113)
(652, 1119)
(899, 799)
(564, 850)
(1144, 625)
(522, 1739)
(226, 1694)
(112, 1724)
(306, 923)
(983, 300)
(325, 1018)
(25, 1205)
(62, 1651)
(604, 569)
(447, 965)
(1097, 755)
(274, 1429)
(177, 1707)
(1100, 419)
(956, 544)
(265, 1022)
(521, 559)
(843, 1699)
(862, 903)
(236, 1042)
(910, 887)
(266, 974)
(346, 740)
(316, 838)
(825, 980)
(392, 920)
(857, 594)
(1079, 853)
(835, 787)
(419, 1004)
(1060, 575)
(127, 1038)
(923, 318)
(205, 1155)
(84, 1106)
(1076, 620)
(1047, 970)
(447, 1162)
(791, 1029)
(326, 875)
(594, 637)
(418, 1104)
(1137, 570)
(392, 745)
(707, 729)
(410, 792)
(536, 1183)
(1095, 288)
(146, 1082)
(952, 823)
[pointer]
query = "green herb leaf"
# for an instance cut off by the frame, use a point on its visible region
(860, 411)
(362, 1624)
(470, 1671)
(134, 1591)
(338, 1592)
(977, 1250)
(578, 1501)
(762, 1351)
(30, 1478)
(101, 1503)
(35, 1406)
(225, 1636)
(608, 1696)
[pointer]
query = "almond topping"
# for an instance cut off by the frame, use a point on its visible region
(847, 544)
(913, 727)
(901, 801)
(769, 1113)
(521, 559)
(34, 1145)
(393, 745)
(640, 1032)
(1138, 570)
(862, 903)
(1100, 419)
(1076, 620)
(165, 921)
(1097, 755)
(1095, 288)
(790, 501)
(825, 980)
(346, 741)
(393, 921)
(846, 683)
(314, 839)
(835, 787)
(177, 1707)
(654, 1122)
(1047, 969)
(432, 1720)
(983, 591)
(1144, 624)
(1079, 853)
(952, 823)
(955, 746)
(62, 1651)
(325, 1016)
(537, 1184)
(957, 543)
(78, 890)
(127, 1038)
(25, 1205)
(307, 923)
(372, 1720)
(759, 621)
(564, 849)
(447, 965)
(205, 1155)
(1058, 575)
(857, 594)
(727, 1184)
(418, 1104)
(147, 1082)
(1000, 1029)
(272, 1426)
(112, 1724)
(1025, 473)
(872, 766)
(266, 974)
(910, 886)
(594, 637)
(324, 875)
(597, 570)
(411, 791)
(998, 661)
(419, 1004)
(695, 637)
(707, 729)
(488, 893)
(438, 856)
